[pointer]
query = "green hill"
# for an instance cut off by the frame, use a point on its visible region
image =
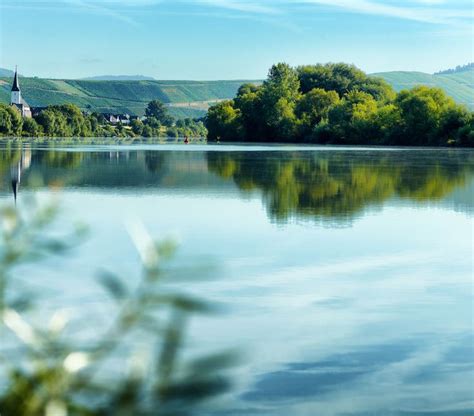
(459, 85)
(185, 98)
(192, 98)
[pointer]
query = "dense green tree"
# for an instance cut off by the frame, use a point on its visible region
(350, 121)
(31, 128)
(314, 107)
(137, 126)
(172, 132)
(5, 120)
(223, 122)
(154, 123)
(342, 78)
(339, 103)
(156, 109)
(465, 134)
(279, 95)
(75, 120)
(147, 131)
(53, 123)
(249, 103)
(422, 109)
(17, 120)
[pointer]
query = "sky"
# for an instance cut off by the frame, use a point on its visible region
(230, 39)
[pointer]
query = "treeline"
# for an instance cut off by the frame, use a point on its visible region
(339, 104)
(459, 68)
(69, 121)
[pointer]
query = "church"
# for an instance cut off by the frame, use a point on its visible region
(16, 99)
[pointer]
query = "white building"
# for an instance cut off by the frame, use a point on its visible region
(16, 99)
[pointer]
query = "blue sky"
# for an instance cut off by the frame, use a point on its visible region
(230, 39)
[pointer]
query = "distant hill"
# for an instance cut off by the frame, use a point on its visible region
(185, 98)
(192, 98)
(119, 78)
(458, 84)
(6, 73)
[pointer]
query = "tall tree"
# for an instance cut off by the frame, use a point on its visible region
(158, 110)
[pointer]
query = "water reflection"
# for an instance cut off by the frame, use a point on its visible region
(375, 318)
(339, 185)
(329, 186)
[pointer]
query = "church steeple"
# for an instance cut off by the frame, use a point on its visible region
(16, 93)
(16, 84)
(16, 98)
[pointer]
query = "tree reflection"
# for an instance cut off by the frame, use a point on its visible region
(341, 184)
(334, 185)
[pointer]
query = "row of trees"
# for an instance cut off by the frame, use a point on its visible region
(339, 104)
(69, 121)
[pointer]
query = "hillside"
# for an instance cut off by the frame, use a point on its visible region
(186, 98)
(459, 85)
(192, 98)
(119, 78)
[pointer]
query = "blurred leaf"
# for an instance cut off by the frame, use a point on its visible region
(113, 285)
(209, 364)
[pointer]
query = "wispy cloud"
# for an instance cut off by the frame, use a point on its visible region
(410, 11)
(100, 7)
(429, 11)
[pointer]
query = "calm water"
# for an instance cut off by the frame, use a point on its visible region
(346, 274)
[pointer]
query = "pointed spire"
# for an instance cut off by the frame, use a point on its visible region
(16, 84)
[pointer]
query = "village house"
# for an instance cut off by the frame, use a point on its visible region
(117, 118)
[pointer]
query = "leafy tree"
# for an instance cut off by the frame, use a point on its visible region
(282, 82)
(314, 107)
(422, 109)
(75, 120)
(249, 102)
(158, 110)
(247, 88)
(137, 126)
(279, 95)
(154, 123)
(223, 122)
(338, 103)
(5, 120)
(17, 120)
(465, 134)
(31, 128)
(350, 121)
(342, 78)
(172, 132)
(147, 131)
(54, 123)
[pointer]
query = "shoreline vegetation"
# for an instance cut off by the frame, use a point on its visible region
(334, 104)
(339, 104)
(67, 121)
